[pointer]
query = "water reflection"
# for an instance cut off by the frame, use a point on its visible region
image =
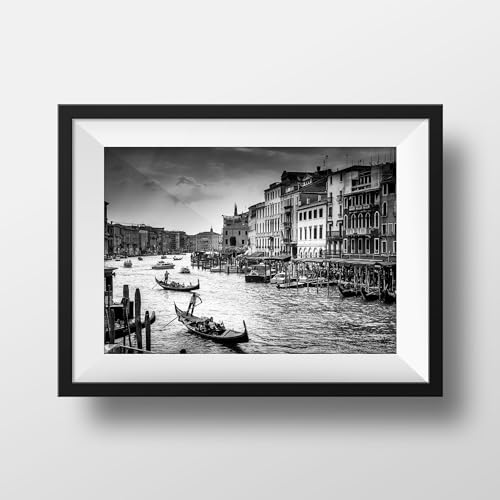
(278, 321)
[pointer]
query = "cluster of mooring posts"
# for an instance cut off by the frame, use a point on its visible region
(122, 321)
(363, 277)
(217, 263)
(357, 275)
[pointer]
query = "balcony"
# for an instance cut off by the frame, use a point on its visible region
(333, 236)
(363, 206)
(288, 208)
(361, 187)
(357, 231)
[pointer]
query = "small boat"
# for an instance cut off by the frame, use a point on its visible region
(346, 292)
(388, 296)
(121, 331)
(368, 296)
(207, 328)
(177, 258)
(161, 264)
(217, 269)
(177, 287)
(292, 284)
(127, 263)
(139, 258)
(185, 270)
(278, 278)
(163, 257)
(259, 274)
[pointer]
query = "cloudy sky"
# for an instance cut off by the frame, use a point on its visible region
(191, 188)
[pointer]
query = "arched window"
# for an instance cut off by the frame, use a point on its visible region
(384, 209)
(353, 221)
(361, 221)
(345, 221)
(375, 220)
(367, 220)
(321, 253)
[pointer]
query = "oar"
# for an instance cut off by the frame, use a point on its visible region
(171, 321)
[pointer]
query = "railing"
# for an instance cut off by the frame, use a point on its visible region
(361, 187)
(370, 256)
(333, 235)
(356, 231)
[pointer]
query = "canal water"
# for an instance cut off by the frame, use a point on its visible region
(278, 321)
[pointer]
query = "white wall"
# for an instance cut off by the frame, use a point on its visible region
(260, 52)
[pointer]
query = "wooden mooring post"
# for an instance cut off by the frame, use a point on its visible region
(111, 326)
(137, 305)
(147, 327)
(126, 319)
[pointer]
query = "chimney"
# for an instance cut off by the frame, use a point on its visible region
(318, 168)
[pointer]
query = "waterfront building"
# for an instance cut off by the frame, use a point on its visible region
(260, 224)
(207, 241)
(235, 232)
(334, 237)
(272, 222)
(255, 219)
(312, 215)
(362, 199)
(176, 241)
(107, 236)
(292, 185)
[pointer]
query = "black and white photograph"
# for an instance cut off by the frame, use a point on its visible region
(250, 250)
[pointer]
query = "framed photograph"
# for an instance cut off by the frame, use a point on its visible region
(250, 250)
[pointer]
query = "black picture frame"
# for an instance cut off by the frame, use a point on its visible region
(68, 113)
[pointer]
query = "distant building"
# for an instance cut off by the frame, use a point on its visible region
(207, 241)
(235, 232)
(176, 241)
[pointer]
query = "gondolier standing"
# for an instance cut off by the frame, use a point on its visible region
(166, 276)
(192, 303)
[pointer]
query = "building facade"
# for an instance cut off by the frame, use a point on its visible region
(207, 241)
(235, 232)
(272, 222)
(312, 226)
(253, 222)
(362, 199)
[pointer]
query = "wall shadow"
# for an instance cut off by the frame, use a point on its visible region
(283, 412)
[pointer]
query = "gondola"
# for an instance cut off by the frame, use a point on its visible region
(346, 292)
(388, 297)
(122, 331)
(368, 296)
(177, 258)
(178, 288)
(217, 332)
